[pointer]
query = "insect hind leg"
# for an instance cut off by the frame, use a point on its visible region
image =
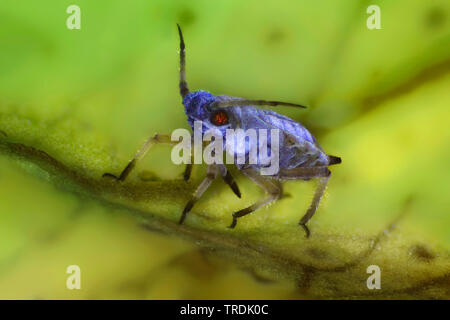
(306, 173)
(320, 189)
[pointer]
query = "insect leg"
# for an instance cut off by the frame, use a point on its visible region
(229, 180)
(320, 189)
(187, 172)
(211, 174)
(307, 173)
(188, 169)
(272, 187)
(184, 90)
(156, 139)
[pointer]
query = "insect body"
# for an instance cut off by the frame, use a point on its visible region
(297, 146)
(300, 156)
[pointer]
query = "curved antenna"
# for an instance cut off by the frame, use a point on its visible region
(184, 90)
(245, 102)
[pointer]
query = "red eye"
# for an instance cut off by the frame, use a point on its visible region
(219, 118)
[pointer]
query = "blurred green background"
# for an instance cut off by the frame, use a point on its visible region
(89, 98)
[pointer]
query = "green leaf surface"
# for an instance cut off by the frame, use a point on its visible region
(76, 104)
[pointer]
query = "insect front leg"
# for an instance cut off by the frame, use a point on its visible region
(156, 139)
(229, 180)
(211, 175)
(188, 169)
(224, 172)
(187, 172)
(272, 187)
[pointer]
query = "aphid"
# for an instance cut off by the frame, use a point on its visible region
(300, 156)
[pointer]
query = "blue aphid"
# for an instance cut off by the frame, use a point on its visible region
(300, 156)
(297, 146)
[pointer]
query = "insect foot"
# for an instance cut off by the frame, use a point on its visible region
(307, 232)
(239, 214)
(110, 175)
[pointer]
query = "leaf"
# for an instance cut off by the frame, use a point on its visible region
(386, 204)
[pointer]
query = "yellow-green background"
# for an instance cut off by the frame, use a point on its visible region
(88, 98)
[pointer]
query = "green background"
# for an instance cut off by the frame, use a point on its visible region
(89, 98)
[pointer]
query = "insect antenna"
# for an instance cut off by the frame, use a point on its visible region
(184, 90)
(245, 102)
